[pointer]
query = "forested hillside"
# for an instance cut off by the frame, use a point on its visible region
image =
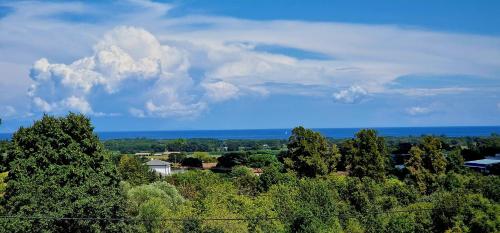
(59, 178)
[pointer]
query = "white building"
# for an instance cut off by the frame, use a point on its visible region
(142, 154)
(484, 165)
(161, 167)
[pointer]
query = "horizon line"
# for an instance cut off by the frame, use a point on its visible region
(290, 128)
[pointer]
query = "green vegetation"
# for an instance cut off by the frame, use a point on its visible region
(129, 146)
(366, 155)
(133, 170)
(310, 154)
(57, 168)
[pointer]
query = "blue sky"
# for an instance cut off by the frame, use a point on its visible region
(199, 64)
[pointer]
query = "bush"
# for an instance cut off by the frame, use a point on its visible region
(261, 160)
(192, 162)
(232, 159)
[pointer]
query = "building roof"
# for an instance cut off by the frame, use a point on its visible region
(482, 162)
(171, 152)
(209, 165)
(142, 153)
(496, 157)
(156, 162)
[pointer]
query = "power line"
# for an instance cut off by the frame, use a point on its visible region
(200, 219)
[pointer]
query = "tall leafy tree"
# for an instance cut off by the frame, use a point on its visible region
(368, 155)
(58, 169)
(435, 159)
(415, 166)
(426, 162)
(310, 154)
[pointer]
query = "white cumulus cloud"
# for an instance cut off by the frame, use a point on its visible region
(221, 91)
(125, 55)
(77, 104)
(351, 95)
(416, 110)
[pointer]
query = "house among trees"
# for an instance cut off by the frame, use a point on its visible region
(142, 154)
(484, 165)
(160, 167)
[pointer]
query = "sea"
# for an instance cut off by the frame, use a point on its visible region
(338, 133)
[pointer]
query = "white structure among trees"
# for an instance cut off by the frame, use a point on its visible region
(161, 167)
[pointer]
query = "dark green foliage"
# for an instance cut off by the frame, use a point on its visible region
(58, 168)
(4, 166)
(192, 162)
(455, 161)
(190, 145)
(232, 159)
(368, 155)
(489, 146)
(310, 154)
(176, 157)
(255, 159)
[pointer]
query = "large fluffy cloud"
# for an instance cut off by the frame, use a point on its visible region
(125, 55)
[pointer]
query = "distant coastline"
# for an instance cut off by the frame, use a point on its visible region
(450, 131)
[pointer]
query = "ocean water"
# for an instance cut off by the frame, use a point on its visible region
(285, 133)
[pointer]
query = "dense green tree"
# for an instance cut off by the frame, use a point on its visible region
(273, 175)
(133, 170)
(434, 158)
(427, 162)
(310, 154)
(489, 146)
(399, 223)
(245, 181)
(467, 212)
(416, 169)
(368, 155)
(58, 169)
(232, 159)
(153, 203)
(176, 157)
(455, 161)
(262, 160)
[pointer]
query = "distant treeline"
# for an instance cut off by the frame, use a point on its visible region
(190, 145)
(471, 147)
